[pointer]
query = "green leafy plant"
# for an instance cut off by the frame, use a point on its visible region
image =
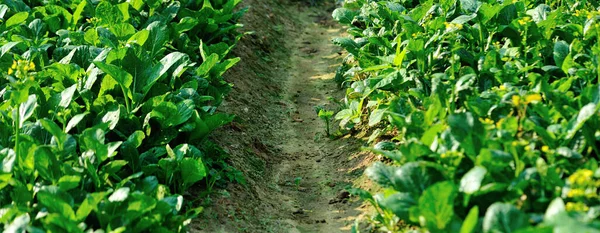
(106, 110)
(326, 116)
(489, 111)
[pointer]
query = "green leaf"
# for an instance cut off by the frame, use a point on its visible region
(55, 204)
(207, 65)
(561, 50)
(555, 212)
(16, 19)
(436, 205)
(413, 177)
(470, 6)
(74, 121)
(343, 15)
(504, 218)
(112, 117)
(347, 44)
(157, 38)
(471, 182)
(8, 159)
(471, 221)
(67, 183)
(7, 47)
(399, 204)
(192, 170)
(139, 37)
(119, 195)
(19, 224)
(26, 109)
(66, 96)
(108, 14)
(585, 114)
(376, 116)
(121, 76)
(89, 204)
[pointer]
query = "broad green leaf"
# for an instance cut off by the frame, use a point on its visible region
(121, 76)
(399, 204)
(74, 121)
(471, 221)
(89, 204)
(585, 114)
(376, 116)
(16, 19)
(6, 47)
(139, 37)
(381, 174)
(343, 15)
(67, 183)
(66, 96)
(470, 6)
(436, 205)
(19, 224)
(192, 170)
(504, 218)
(3, 10)
(471, 181)
(8, 159)
(55, 204)
(77, 13)
(561, 50)
(26, 109)
(207, 65)
(119, 195)
(112, 117)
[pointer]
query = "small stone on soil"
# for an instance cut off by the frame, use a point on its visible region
(298, 211)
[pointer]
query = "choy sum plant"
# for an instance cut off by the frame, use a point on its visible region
(106, 108)
(488, 112)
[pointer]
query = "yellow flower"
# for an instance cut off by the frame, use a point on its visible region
(532, 98)
(14, 65)
(488, 121)
(572, 206)
(499, 122)
(576, 193)
(545, 149)
(502, 87)
(31, 66)
(581, 177)
(10, 71)
(516, 100)
(452, 26)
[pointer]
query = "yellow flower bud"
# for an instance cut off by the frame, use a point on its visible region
(516, 100)
(10, 71)
(545, 149)
(532, 98)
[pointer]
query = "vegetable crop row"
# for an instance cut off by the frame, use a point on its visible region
(106, 109)
(487, 112)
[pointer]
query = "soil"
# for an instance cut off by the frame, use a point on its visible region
(296, 175)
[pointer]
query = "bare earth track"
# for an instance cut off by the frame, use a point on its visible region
(296, 175)
(310, 175)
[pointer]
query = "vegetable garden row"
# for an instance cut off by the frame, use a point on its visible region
(106, 108)
(487, 111)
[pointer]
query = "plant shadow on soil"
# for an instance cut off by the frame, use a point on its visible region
(296, 176)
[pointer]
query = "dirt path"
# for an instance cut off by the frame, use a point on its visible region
(296, 175)
(310, 179)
